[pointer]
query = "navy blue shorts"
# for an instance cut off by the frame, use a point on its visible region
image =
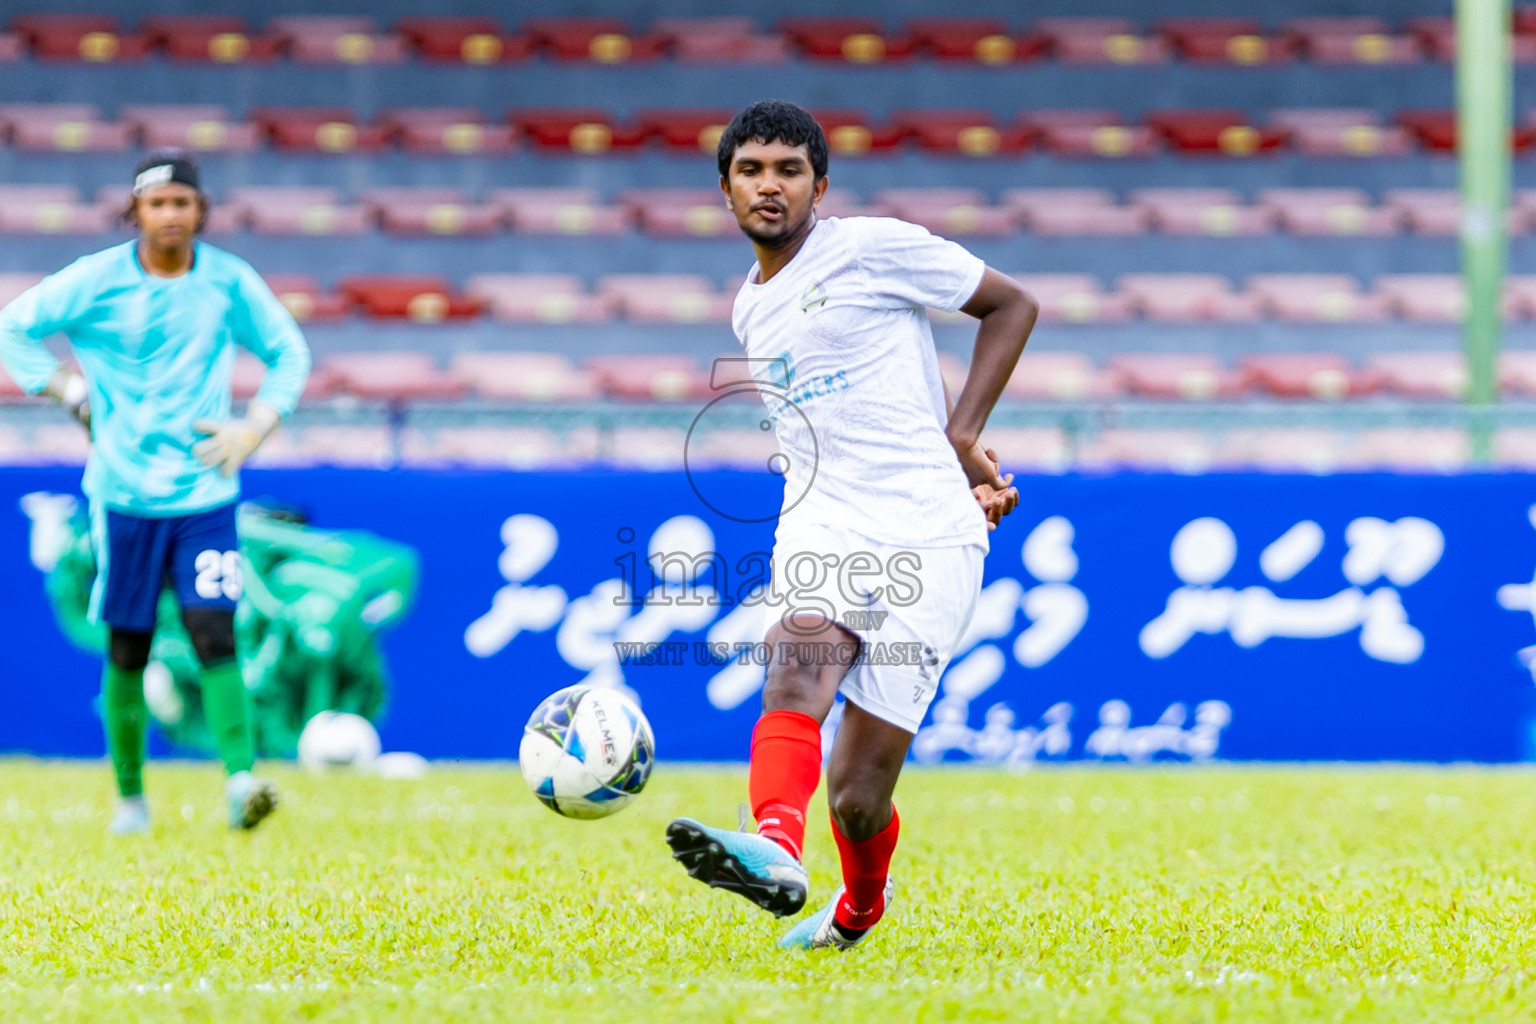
(137, 557)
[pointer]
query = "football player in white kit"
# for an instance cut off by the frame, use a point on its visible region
(889, 496)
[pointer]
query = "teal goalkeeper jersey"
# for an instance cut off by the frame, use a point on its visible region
(157, 353)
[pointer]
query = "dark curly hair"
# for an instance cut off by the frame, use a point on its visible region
(774, 121)
(130, 214)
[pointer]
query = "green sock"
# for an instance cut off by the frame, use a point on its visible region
(228, 709)
(127, 726)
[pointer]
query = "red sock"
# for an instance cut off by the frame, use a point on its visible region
(785, 770)
(865, 868)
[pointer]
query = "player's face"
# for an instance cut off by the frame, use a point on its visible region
(772, 190)
(168, 214)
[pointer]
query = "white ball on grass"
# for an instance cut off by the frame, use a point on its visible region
(337, 739)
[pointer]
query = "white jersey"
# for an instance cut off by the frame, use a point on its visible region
(844, 359)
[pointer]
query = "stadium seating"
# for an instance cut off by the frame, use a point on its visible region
(538, 298)
(526, 376)
(423, 298)
(393, 376)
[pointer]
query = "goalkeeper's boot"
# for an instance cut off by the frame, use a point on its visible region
(821, 930)
(250, 799)
(746, 863)
(131, 817)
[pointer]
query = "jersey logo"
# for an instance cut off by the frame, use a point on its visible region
(813, 297)
(781, 371)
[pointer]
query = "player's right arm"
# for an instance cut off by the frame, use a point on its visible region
(53, 305)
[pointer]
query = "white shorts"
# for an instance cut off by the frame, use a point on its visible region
(909, 606)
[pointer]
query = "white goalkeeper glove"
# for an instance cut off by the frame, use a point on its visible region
(230, 442)
(69, 389)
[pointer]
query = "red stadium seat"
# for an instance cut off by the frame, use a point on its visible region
(1057, 376)
(393, 376)
(432, 211)
(30, 217)
(249, 371)
(1176, 375)
(949, 211)
(1074, 212)
(1420, 374)
(690, 131)
(1088, 133)
(1340, 131)
(526, 376)
(983, 40)
(1436, 130)
(1226, 41)
(1187, 298)
(1517, 372)
(1317, 375)
(679, 212)
(318, 129)
(1074, 298)
(1344, 212)
(1520, 296)
(650, 377)
(538, 298)
(561, 211)
(300, 210)
(1214, 131)
(1316, 298)
(854, 133)
(95, 38)
(1353, 40)
(1438, 36)
(580, 130)
(968, 132)
(323, 39)
(1101, 41)
(1030, 201)
(730, 39)
(215, 38)
(1424, 298)
(458, 130)
(856, 40)
(839, 202)
(1202, 211)
(1428, 211)
(464, 40)
(604, 40)
(61, 127)
(667, 298)
(424, 298)
(200, 127)
(41, 193)
(13, 284)
(304, 298)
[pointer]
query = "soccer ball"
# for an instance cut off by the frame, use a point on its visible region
(337, 739)
(587, 752)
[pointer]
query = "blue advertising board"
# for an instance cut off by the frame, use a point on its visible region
(1123, 616)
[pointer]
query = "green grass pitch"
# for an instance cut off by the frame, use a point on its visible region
(1062, 894)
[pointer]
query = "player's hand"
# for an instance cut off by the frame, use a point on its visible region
(69, 389)
(995, 504)
(993, 491)
(230, 442)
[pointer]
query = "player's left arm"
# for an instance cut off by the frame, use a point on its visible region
(1007, 313)
(263, 326)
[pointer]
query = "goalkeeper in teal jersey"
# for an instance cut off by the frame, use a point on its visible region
(154, 323)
